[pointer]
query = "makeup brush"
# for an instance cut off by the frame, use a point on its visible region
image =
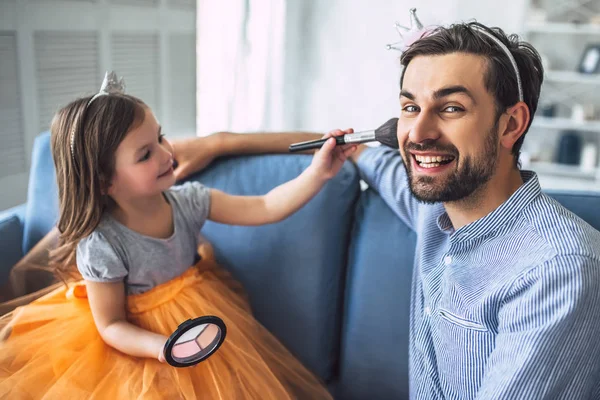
(385, 134)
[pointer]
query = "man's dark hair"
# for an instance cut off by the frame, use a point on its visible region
(500, 79)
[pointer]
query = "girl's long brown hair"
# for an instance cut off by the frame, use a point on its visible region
(84, 176)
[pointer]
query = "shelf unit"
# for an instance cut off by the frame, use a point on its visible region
(563, 28)
(563, 84)
(565, 124)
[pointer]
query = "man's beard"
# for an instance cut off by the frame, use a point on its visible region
(458, 184)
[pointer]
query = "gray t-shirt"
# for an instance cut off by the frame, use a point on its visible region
(115, 253)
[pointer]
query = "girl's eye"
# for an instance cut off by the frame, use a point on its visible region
(146, 156)
(160, 137)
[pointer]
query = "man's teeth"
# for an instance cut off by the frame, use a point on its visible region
(431, 161)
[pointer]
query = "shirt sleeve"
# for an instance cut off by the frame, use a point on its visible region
(97, 260)
(383, 170)
(547, 344)
(194, 201)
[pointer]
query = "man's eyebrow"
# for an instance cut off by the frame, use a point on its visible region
(407, 94)
(441, 93)
(447, 91)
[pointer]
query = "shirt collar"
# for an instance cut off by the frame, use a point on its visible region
(521, 198)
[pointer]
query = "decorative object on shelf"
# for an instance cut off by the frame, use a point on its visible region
(590, 61)
(548, 110)
(583, 112)
(538, 15)
(569, 148)
(589, 155)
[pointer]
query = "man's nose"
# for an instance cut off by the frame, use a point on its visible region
(423, 128)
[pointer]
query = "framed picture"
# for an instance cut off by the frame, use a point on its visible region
(590, 61)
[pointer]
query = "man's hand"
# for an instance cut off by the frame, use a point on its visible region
(194, 154)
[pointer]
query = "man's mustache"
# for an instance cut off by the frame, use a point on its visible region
(430, 147)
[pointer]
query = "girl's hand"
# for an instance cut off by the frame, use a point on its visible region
(328, 160)
(161, 341)
(161, 355)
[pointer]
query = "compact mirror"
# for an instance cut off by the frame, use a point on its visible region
(194, 341)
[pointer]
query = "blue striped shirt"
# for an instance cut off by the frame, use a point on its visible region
(506, 307)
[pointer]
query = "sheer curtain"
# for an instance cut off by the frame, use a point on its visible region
(240, 65)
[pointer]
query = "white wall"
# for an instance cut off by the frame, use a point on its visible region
(150, 42)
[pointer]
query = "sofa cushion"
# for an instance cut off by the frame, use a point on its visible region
(374, 354)
(293, 271)
(41, 213)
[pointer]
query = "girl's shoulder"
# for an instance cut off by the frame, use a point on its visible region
(98, 257)
(192, 200)
(188, 188)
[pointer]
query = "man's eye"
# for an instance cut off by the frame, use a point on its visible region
(411, 108)
(453, 109)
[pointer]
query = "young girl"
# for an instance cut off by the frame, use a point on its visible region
(133, 237)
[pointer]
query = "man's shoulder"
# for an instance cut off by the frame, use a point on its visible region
(561, 229)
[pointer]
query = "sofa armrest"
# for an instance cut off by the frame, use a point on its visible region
(11, 239)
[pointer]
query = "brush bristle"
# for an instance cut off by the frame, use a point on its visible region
(386, 133)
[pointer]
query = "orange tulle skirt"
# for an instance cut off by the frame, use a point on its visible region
(52, 349)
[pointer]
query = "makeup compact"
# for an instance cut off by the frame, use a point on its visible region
(194, 341)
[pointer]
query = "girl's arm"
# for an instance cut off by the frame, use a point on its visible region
(285, 199)
(107, 302)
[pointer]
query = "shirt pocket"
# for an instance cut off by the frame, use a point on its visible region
(460, 321)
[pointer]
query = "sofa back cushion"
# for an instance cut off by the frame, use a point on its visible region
(374, 355)
(41, 212)
(293, 270)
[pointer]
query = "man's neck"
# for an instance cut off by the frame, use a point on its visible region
(485, 199)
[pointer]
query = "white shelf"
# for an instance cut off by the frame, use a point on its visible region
(572, 77)
(563, 27)
(565, 171)
(565, 123)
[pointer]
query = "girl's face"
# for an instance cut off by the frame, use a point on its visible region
(143, 163)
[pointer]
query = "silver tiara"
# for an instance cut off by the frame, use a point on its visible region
(510, 57)
(417, 31)
(110, 85)
(408, 35)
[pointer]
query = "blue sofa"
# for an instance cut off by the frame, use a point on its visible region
(332, 281)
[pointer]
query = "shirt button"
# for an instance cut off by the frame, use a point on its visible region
(427, 310)
(447, 260)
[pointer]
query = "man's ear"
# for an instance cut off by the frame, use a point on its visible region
(516, 119)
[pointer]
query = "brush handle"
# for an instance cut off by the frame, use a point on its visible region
(314, 144)
(349, 138)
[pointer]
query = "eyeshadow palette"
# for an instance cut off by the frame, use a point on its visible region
(194, 341)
